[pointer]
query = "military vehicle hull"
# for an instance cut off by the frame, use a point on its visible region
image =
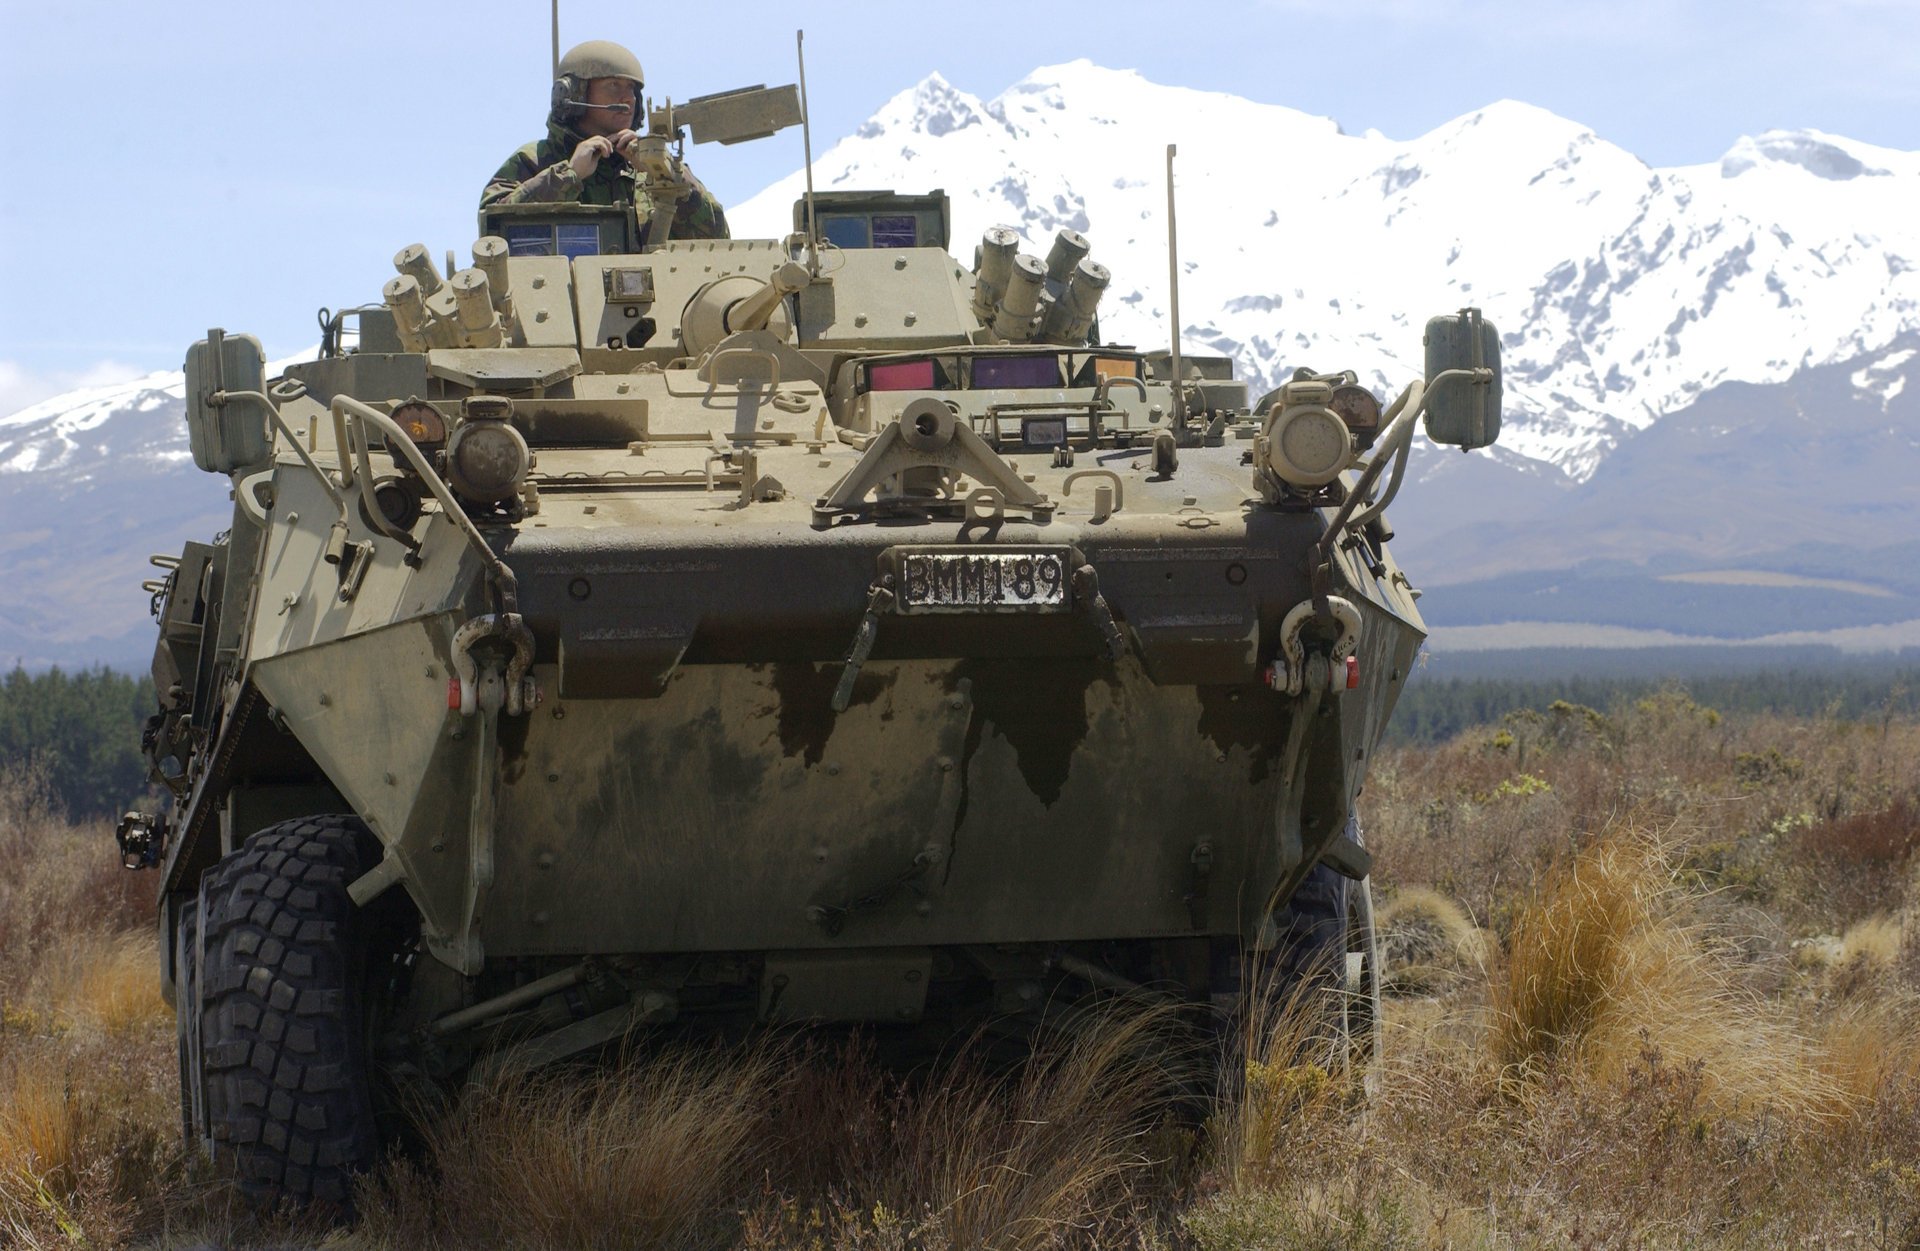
(685, 783)
(702, 636)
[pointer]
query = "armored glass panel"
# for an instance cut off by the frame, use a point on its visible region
(1016, 371)
(845, 232)
(895, 231)
(529, 240)
(578, 239)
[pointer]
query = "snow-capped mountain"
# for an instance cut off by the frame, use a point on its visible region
(92, 483)
(1709, 364)
(1623, 292)
(94, 430)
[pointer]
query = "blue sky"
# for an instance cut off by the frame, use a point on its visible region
(175, 166)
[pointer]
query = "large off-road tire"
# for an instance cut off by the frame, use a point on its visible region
(283, 1012)
(1321, 977)
(1365, 982)
(187, 1022)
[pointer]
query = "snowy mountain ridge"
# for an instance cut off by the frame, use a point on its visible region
(1623, 292)
(1720, 360)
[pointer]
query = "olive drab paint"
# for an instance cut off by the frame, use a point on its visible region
(706, 633)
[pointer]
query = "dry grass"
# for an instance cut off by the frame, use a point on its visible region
(1707, 1036)
(1428, 943)
(1874, 941)
(1600, 964)
(639, 1156)
(103, 981)
(1054, 1155)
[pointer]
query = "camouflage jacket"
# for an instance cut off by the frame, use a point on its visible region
(539, 173)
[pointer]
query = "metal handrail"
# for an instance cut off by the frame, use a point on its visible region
(1411, 403)
(280, 423)
(503, 578)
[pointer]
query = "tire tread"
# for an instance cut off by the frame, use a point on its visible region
(286, 1071)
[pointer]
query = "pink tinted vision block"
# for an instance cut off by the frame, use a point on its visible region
(901, 376)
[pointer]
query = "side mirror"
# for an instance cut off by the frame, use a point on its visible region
(226, 437)
(1460, 411)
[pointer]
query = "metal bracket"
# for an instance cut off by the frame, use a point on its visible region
(1347, 856)
(927, 436)
(143, 839)
(879, 600)
(1199, 882)
(1106, 501)
(1086, 590)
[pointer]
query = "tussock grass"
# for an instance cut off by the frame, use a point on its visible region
(44, 1126)
(1020, 1166)
(1287, 1076)
(1709, 1038)
(105, 981)
(1428, 943)
(1056, 1154)
(638, 1156)
(1874, 941)
(1589, 946)
(1870, 1050)
(1601, 968)
(86, 1142)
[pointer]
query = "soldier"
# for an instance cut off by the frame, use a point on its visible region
(590, 141)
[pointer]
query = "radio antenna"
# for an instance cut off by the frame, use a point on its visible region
(1173, 290)
(806, 138)
(556, 38)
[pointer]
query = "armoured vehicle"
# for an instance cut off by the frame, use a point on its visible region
(618, 632)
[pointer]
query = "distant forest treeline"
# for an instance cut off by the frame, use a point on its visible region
(81, 731)
(1433, 709)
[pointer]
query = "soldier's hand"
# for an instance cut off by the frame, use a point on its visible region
(587, 157)
(623, 144)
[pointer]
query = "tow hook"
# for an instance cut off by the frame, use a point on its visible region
(1288, 672)
(143, 839)
(522, 695)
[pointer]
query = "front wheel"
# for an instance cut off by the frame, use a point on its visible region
(188, 1027)
(1314, 996)
(283, 1013)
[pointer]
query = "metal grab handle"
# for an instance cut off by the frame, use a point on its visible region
(773, 365)
(243, 493)
(503, 577)
(293, 441)
(707, 369)
(1414, 398)
(1395, 447)
(1106, 385)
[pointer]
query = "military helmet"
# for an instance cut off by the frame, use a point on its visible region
(596, 58)
(601, 58)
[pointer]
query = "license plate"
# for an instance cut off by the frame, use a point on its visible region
(1032, 580)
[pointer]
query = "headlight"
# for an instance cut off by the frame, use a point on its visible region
(487, 461)
(1307, 444)
(422, 422)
